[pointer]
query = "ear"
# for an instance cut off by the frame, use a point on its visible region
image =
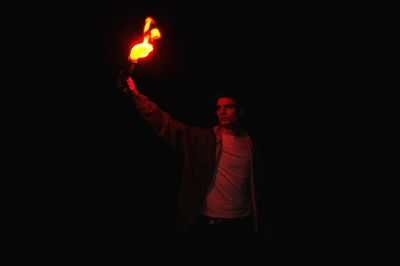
(242, 111)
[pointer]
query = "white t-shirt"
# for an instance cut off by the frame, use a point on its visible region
(229, 196)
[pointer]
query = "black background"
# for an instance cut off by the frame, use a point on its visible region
(105, 182)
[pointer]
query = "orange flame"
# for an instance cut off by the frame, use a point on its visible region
(143, 49)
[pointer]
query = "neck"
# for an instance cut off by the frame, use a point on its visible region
(231, 130)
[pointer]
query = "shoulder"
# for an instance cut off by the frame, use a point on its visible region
(200, 131)
(252, 137)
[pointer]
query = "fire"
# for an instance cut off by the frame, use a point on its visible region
(143, 49)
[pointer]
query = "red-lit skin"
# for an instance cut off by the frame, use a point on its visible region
(131, 86)
(228, 115)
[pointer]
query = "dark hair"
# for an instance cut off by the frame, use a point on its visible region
(229, 93)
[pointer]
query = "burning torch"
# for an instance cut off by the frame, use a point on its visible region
(142, 49)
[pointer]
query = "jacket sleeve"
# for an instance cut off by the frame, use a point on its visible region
(162, 123)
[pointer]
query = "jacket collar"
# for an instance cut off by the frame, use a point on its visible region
(218, 134)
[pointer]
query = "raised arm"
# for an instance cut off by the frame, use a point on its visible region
(164, 125)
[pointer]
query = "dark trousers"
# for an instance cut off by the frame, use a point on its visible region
(226, 241)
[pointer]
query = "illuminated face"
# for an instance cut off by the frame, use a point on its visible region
(227, 111)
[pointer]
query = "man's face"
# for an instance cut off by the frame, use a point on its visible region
(227, 112)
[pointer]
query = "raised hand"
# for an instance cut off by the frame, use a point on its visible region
(131, 85)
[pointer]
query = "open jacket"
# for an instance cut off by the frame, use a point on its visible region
(201, 148)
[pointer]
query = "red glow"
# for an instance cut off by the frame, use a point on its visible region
(143, 49)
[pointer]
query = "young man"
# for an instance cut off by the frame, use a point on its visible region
(217, 200)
